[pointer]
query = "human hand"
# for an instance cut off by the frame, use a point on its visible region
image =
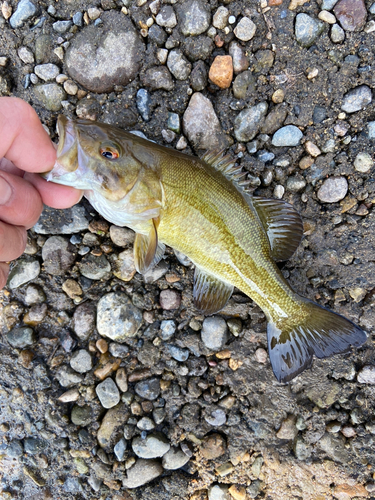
(25, 149)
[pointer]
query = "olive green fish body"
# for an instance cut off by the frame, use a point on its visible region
(199, 208)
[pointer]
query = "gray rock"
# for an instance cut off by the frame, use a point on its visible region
(158, 77)
(34, 295)
(33, 446)
(170, 299)
(142, 472)
(239, 60)
(178, 65)
(73, 485)
(119, 449)
(178, 353)
(145, 424)
(94, 267)
(148, 389)
(307, 29)
(143, 102)
(372, 9)
(84, 320)
(15, 449)
(245, 29)
(337, 34)
(88, 55)
(287, 136)
(174, 459)
(62, 26)
(157, 35)
(166, 17)
(58, 255)
(121, 236)
(174, 122)
(46, 72)
(117, 318)
(371, 130)
(112, 427)
(108, 393)
(68, 221)
(334, 447)
(244, 85)
(25, 54)
(333, 189)
(82, 415)
(123, 266)
(194, 17)
(366, 375)
(363, 162)
(21, 337)
(357, 99)
(22, 272)
(220, 18)
(167, 329)
(295, 184)
(214, 332)
(25, 10)
(50, 95)
(154, 446)
(198, 47)
(68, 377)
(81, 361)
(118, 351)
(328, 4)
(201, 125)
(218, 492)
(198, 77)
(78, 19)
(248, 122)
(216, 417)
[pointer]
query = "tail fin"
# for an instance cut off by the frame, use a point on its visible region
(291, 346)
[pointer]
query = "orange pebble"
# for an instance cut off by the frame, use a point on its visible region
(221, 71)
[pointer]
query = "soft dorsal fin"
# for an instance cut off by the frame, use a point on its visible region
(227, 166)
(147, 250)
(210, 294)
(283, 226)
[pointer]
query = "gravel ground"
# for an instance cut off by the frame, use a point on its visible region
(111, 386)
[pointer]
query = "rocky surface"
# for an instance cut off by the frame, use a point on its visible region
(111, 385)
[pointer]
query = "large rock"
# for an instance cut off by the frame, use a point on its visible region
(100, 58)
(351, 14)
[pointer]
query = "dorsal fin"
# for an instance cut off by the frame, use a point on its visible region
(283, 225)
(225, 164)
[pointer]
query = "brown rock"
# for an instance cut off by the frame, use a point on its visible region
(221, 71)
(351, 14)
(296, 3)
(213, 446)
(272, 3)
(112, 425)
(346, 491)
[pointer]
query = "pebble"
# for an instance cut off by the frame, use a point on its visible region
(154, 446)
(123, 266)
(23, 272)
(166, 17)
(148, 389)
(50, 95)
(178, 65)
(244, 85)
(158, 78)
(121, 236)
(78, 19)
(327, 17)
(194, 17)
(245, 29)
(328, 4)
(15, 449)
(108, 393)
(145, 424)
(278, 96)
(371, 130)
(117, 318)
(220, 18)
(84, 321)
(248, 122)
(278, 192)
(25, 10)
(88, 54)
(337, 34)
(81, 361)
(214, 332)
(288, 429)
(143, 102)
(174, 122)
(351, 14)
(295, 184)
(62, 26)
(239, 60)
(363, 162)
(312, 149)
(34, 446)
(70, 87)
(218, 492)
(21, 337)
(68, 377)
(174, 459)
(307, 29)
(221, 71)
(366, 375)
(357, 99)
(287, 136)
(216, 417)
(178, 353)
(167, 329)
(69, 221)
(119, 449)
(237, 492)
(333, 189)
(170, 299)
(58, 255)
(261, 355)
(26, 55)
(81, 415)
(142, 472)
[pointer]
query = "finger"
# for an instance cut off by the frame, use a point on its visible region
(12, 241)
(4, 271)
(23, 139)
(20, 202)
(54, 195)
(7, 166)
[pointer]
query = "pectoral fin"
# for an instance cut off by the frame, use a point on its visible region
(210, 294)
(147, 250)
(283, 226)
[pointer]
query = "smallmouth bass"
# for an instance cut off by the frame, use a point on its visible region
(199, 207)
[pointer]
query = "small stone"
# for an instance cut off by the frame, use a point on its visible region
(245, 29)
(306, 162)
(69, 396)
(287, 136)
(312, 149)
(371, 130)
(370, 27)
(123, 266)
(178, 65)
(194, 17)
(366, 375)
(68, 377)
(237, 492)
(93, 13)
(155, 445)
(218, 492)
(220, 18)
(216, 417)
(363, 162)
(221, 71)
(143, 102)
(117, 318)
(357, 99)
(148, 389)
(174, 459)
(327, 17)
(142, 472)
(167, 329)
(58, 255)
(333, 189)
(21, 337)
(51, 96)
(248, 122)
(81, 415)
(46, 72)
(81, 361)
(70, 87)
(296, 3)
(145, 424)
(307, 29)
(279, 191)
(78, 19)
(288, 429)
(72, 289)
(62, 26)
(261, 355)
(108, 393)
(351, 14)
(214, 332)
(121, 236)
(6, 9)
(23, 272)
(348, 431)
(166, 17)
(15, 449)
(239, 60)
(278, 96)
(347, 491)
(25, 10)
(170, 299)
(25, 55)
(328, 4)
(158, 78)
(84, 321)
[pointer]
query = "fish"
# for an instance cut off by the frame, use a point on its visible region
(201, 207)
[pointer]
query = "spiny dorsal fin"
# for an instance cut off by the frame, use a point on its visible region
(147, 250)
(227, 166)
(210, 294)
(283, 226)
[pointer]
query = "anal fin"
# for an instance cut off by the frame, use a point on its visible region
(147, 250)
(210, 294)
(282, 224)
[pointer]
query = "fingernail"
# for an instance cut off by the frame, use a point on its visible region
(5, 191)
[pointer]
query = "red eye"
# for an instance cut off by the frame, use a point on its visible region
(109, 153)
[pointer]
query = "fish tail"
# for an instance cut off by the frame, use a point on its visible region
(292, 342)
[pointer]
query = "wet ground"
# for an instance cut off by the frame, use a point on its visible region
(194, 411)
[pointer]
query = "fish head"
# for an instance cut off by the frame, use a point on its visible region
(94, 157)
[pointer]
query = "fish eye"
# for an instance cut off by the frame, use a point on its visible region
(109, 152)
